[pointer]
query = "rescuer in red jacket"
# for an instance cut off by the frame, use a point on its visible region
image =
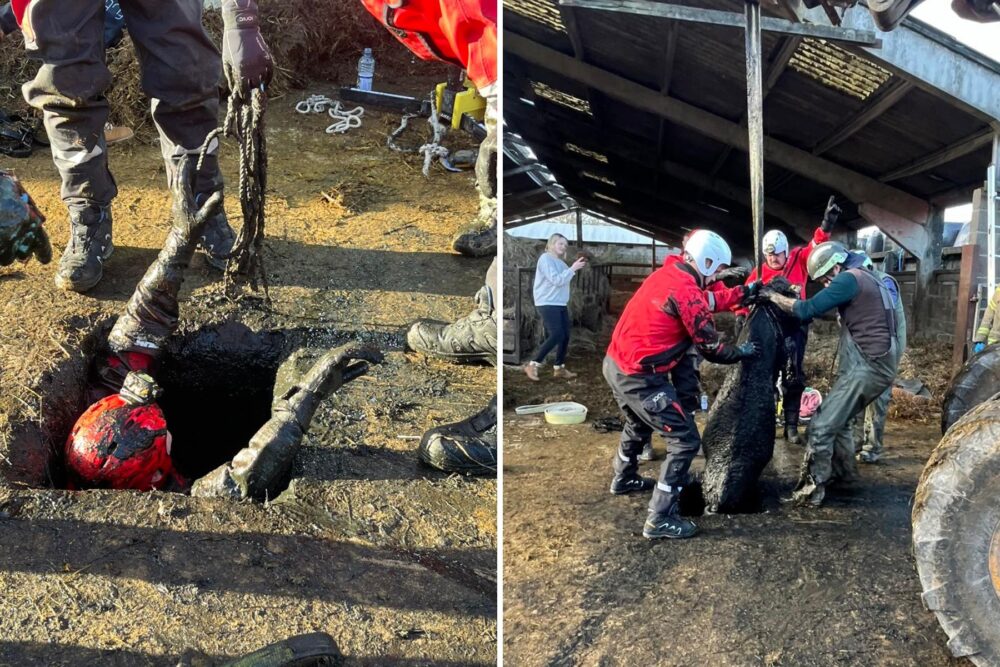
(668, 314)
(791, 264)
(685, 376)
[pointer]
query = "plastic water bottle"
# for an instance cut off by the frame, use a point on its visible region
(704, 402)
(366, 70)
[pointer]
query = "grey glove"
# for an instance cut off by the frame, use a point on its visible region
(830, 215)
(21, 232)
(245, 57)
(748, 350)
(737, 273)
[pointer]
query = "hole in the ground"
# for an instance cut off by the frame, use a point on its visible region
(212, 410)
(218, 381)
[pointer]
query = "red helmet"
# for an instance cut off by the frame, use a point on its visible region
(122, 442)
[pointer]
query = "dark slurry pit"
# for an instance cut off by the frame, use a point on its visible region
(213, 407)
(217, 385)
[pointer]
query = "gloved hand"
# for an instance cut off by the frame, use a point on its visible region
(736, 273)
(751, 293)
(978, 347)
(830, 215)
(748, 350)
(245, 57)
(21, 232)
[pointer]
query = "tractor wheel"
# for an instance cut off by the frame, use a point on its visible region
(956, 534)
(977, 381)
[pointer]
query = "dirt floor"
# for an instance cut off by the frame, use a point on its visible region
(789, 586)
(396, 561)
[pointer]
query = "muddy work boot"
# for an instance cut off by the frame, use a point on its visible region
(648, 453)
(630, 483)
(82, 263)
(868, 456)
(217, 239)
(472, 338)
(261, 469)
(808, 493)
(468, 447)
(480, 242)
(665, 521)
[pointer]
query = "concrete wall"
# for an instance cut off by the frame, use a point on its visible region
(933, 317)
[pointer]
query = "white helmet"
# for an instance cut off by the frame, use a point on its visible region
(708, 250)
(775, 242)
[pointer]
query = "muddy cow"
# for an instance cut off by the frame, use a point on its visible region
(739, 435)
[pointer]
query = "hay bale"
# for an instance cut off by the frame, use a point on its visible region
(589, 294)
(309, 39)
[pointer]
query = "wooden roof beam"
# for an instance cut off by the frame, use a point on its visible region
(878, 104)
(852, 184)
(956, 150)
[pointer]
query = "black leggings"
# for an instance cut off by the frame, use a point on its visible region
(556, 320)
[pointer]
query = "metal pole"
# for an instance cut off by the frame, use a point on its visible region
(755, 127)
(991, 219)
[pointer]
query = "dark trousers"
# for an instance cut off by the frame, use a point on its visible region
(793, 376)
(687, 381)
(180, 74)
(556, 320)
(650, 403)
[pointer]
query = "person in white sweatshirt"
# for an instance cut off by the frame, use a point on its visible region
(551, 293)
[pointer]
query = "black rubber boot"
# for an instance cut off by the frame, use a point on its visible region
(630, 483)
(81, 266)
(472, 338)
(666, 522)
(468, 447)
(792, 436)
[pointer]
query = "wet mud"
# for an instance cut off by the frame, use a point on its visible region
(394, 560)
(786, 586)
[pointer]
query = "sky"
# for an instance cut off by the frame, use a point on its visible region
(983, 37)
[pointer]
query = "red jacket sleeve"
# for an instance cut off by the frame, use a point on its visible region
(693, 310)
(819, 236)
(722, 298)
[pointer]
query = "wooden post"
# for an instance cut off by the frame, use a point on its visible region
(652, 261)
(973, 273)
(579, 229)
(965, 308)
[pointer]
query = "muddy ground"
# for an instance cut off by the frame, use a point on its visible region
(396, 561)
(789, 586)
